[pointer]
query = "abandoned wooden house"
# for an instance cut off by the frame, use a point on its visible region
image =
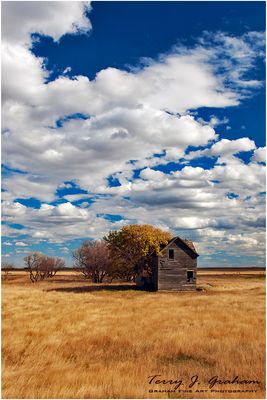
(174, 269)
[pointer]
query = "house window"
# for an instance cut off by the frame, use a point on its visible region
(171, 254)
(190, 276)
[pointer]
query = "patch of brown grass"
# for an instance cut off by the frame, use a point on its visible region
(69, 343)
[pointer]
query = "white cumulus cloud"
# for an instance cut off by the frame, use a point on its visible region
(135, 119)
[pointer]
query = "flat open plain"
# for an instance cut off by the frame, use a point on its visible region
(68, 338)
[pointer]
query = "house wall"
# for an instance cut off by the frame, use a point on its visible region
(154, 278)
(172, 274)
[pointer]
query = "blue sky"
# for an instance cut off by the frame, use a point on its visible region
(134, 112)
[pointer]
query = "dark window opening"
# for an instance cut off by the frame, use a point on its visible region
(171, 254)
(190, 276)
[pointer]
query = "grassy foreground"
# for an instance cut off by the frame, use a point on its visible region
(67, 339)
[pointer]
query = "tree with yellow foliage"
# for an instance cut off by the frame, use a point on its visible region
(132, 246)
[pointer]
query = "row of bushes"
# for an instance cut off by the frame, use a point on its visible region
(41, 267)
(121, 254)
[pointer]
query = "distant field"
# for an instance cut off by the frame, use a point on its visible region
(68, 338)
(227, 271)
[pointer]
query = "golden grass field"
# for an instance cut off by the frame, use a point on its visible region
(67, 338)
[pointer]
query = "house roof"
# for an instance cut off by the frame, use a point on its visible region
(188, 243)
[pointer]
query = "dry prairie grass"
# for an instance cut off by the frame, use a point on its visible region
(75, 342)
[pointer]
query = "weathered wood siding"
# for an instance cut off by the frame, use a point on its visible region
(154, 278)
(171, 274)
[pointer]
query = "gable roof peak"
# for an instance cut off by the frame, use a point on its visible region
(187, 242)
